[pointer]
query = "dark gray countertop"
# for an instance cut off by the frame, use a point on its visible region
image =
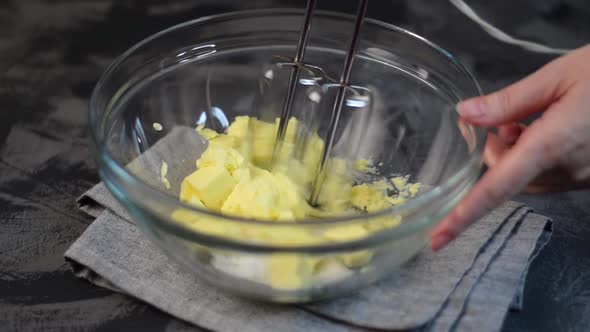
(53, 51)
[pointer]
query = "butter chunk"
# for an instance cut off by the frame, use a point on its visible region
(163, 173)
(365, 166)
(196, 201)
(290, 271)
(382, 223)
(242, 174)
(396, 200)
(266, 196)
(186, 191)
(216, 156)
(361, 165)
(284, 235)
(239, 128)
(205, 224)
(292, 129)
(414, 189)
(212, 185)
(164, 169)
(189, 195)
(346, 233)
(368, 198)
(330, 270)
(382, 186)
(357, 259)
(166, 183)
(336, 189)
(224, 141)
(206, 132)
(400, 182)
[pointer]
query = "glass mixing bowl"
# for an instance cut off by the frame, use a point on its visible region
(208, 71)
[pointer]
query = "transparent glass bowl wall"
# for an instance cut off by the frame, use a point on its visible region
(413, 130)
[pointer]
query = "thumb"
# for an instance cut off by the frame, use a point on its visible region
(517, 101)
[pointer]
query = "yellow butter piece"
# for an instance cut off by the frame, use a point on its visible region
(370, 199)
(205, 224)
(382, 186)
(164, 169)
(212, 185)
(242, 174)
(284, 235)
(385, 222)
(266, 196)
(312, 155)
(186, 191)
(163, 173)
(346, 233)
(391, 221)
(336, 189)
(190, 196)
(292, 128)
(357, 259)
(324, 263)
(414, 189)
(206, 132)
(362, 164)
(365, 166)
(400, 182)
(224, 141)
(290, 271)
(239, 127)
(157, 126)
(262, 136)
(217, 156)
(396, 200)
(196, 201)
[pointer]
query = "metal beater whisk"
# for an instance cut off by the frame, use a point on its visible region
(297, 65)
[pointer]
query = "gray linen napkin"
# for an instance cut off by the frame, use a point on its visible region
(502, 277)
(435, 291)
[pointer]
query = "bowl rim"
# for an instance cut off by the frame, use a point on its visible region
(105, 158)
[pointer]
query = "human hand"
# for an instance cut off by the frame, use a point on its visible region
(552, 154)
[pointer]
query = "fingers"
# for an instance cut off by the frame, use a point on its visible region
(518, 166)
(515, 102)
(517, 156)
(494, 150)
(509, 133)
(498, 145)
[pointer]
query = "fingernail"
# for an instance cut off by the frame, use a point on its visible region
(439, 241)
(471, 108)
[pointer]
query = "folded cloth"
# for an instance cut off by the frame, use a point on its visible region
(472, 280)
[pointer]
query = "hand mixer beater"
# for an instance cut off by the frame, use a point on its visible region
(343, 85)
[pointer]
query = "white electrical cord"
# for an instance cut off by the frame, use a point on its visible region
(501, 35)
